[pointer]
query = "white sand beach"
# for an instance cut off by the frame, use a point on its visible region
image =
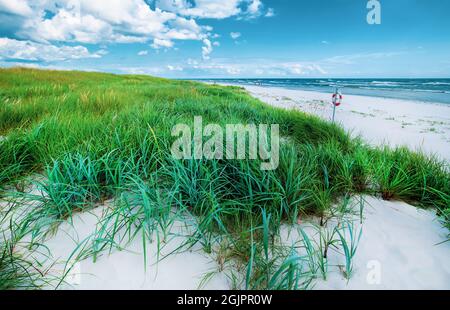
(418, 125)
(400, 248)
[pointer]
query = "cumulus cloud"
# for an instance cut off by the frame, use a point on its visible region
(89, 21)
(217, 9)
(161, 43)
(142, 53)
(16, 7)
(11, 49)
(254, 7)
(56, 22)
(95, 22)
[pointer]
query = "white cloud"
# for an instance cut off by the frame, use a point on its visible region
(254, 7)
(174, 68)
(206, 49)
(102, 52)
(303, 69)
(16, 7)
(142, 53)
(94, 22)
(161, 43)
(352, 59)
(235, 35)
(30, 51)
(257, 68)
(56, 22)
(142, 70)
(227, 67)
(270, 13)
(217, 9)
(192, 62)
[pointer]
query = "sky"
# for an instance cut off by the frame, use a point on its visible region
(229, 38)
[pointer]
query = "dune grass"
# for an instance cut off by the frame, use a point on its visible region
(98, 137)
(22, 262)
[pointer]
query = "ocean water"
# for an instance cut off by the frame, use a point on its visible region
(428, 90)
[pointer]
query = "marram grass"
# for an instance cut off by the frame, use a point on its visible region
(101, 137)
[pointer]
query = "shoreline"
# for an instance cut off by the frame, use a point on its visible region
(321, 93)
(417, 101)
(396, 94)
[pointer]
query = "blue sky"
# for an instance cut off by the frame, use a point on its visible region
(229, 38)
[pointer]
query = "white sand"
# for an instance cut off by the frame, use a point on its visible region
(399, 249)
(400, 240)
(403, 240)
(126, 269)
(417, 125)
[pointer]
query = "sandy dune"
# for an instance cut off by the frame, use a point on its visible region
(399, 242)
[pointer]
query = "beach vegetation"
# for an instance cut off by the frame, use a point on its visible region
(96, 139)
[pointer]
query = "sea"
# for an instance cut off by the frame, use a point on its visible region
(425, 90)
